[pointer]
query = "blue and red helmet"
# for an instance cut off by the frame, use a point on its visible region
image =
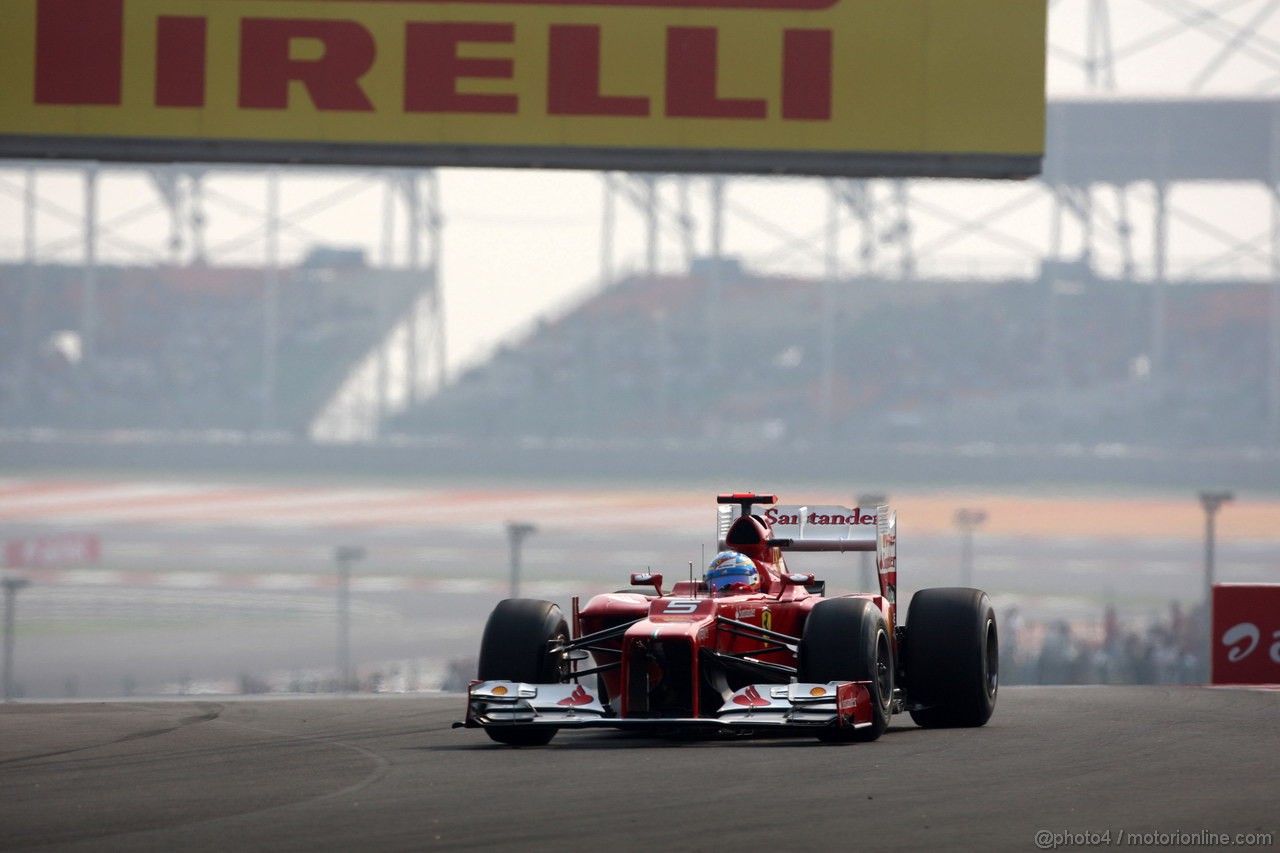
(732, 572)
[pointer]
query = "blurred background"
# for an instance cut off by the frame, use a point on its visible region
(285, 430)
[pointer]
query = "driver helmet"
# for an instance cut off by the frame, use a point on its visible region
(732, 572)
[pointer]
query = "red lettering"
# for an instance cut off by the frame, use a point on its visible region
(180, 62)
(433, 68)
(806, 74)
(79, 52)
(573, 80)
(34, 553)
(692, 78)
(332, 81)
(867, 519)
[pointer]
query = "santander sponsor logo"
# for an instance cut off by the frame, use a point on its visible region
(577, 697)
(854, 516)
(847, 697)
(750, 698)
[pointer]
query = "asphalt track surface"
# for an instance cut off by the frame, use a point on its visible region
(388, 773)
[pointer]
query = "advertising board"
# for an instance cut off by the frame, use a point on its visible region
(827, 87)
(1246, 633)
(67, 549)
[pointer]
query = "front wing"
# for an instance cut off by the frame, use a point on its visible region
(837, 704)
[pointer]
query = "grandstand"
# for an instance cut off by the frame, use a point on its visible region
(936, 361)
(677, 362)
(202, 349)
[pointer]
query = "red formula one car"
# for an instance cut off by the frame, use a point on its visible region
(737, 651)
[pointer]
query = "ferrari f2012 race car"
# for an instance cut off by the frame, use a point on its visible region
(737, 651)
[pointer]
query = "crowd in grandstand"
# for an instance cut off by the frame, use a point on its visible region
(676, 359)
(183, 348)
(1167, 650)
(683, 360)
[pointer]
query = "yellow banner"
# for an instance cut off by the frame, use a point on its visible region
(934, 86)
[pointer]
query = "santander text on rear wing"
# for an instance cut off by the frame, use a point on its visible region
(821, 527)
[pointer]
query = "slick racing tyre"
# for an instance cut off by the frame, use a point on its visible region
(516, 646)
(846, 639)
(951, 657)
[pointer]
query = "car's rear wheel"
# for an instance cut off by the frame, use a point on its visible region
(847, 639)
(518, 645)
(952, 657)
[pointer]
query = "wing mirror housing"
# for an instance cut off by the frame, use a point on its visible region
(797, 579)
(647, 579)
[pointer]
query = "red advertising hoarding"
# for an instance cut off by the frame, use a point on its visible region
(1246, 633)
(51, 551)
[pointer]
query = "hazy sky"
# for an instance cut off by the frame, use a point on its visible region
(518, 244)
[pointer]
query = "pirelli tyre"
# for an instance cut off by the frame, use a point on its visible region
(951, 657)
(517, 645)
(847, 639)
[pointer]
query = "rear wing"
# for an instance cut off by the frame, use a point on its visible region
(824, 528)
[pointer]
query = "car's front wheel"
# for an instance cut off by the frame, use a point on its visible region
(519, 644)
(847, 639)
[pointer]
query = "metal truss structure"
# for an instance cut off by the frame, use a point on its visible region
(408, 365)
(1097, 223)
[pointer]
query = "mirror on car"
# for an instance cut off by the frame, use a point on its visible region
(647, 579)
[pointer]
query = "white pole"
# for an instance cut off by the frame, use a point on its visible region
(345, 555)
(11, 587)
(89, 297)
(1211, 502)
(271, 303)
(1273, 338)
